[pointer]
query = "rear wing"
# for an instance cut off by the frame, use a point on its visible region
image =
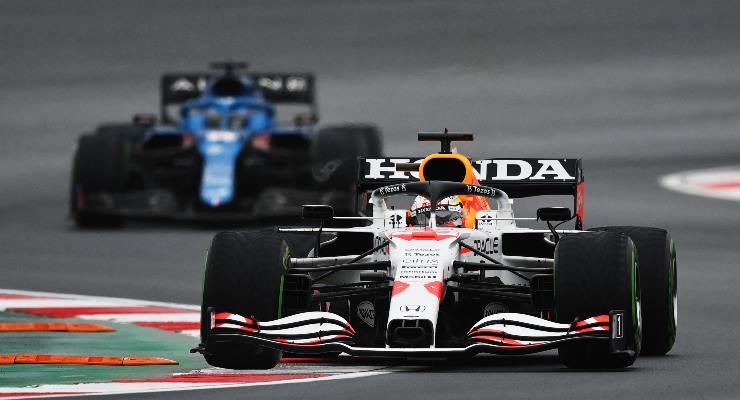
(279, 88)
(518, 177)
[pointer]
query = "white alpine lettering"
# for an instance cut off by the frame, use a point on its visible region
(296, 84)
(202, 82)
(271, 83)
(182, 85)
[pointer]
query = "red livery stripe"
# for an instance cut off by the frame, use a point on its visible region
(435, 288)
(10, 296)
(223, 378)
(171, 326)
(502, 340)
(722, 185)
(422, 235)
(398, 287)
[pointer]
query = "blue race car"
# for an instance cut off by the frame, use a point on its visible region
(224, 155)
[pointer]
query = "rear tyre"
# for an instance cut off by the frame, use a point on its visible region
(101, 165)
(244, 275)
(657, 254)
(594, 273)
(336, 151)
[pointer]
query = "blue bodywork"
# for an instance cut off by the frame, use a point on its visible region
(221, 126)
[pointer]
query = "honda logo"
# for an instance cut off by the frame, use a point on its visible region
(413, 308)
(484, 170)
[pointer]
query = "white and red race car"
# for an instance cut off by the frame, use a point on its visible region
(408, 286)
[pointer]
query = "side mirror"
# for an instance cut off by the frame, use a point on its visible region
(317, 211)
(144, 120)
(554, 214)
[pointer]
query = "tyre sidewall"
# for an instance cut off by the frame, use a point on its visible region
(658, 275)
(597, 272)
(243, 275)
(336, 151)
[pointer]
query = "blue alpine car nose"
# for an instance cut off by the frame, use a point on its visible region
(219, 149)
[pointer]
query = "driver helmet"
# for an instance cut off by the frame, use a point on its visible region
(450, 212)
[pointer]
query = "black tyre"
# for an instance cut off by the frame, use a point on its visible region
(594, 273)
(244, 275)
(337, 149)
(300, 243)
(658, 279)
(101, 165)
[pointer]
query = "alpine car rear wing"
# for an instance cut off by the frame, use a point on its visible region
(278, 88)
(518, 177)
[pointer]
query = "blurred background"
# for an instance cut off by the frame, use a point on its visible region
(638, 89)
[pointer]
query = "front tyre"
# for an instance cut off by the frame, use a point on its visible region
(657, 254)
(594, 273)
(244, 275)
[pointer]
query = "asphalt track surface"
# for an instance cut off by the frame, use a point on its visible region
(638, 89)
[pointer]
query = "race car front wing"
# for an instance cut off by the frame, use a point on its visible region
(503, 333)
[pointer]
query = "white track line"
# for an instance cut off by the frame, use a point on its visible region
(100, 389)
(115, 301)
(719, 183)
(131, 318)
(52, 303)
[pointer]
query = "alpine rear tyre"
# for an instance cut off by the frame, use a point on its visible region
(99, 166)
(337, 149)
(594, 273)
(244, 275)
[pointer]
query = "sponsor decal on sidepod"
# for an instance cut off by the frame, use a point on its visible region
(366, 312)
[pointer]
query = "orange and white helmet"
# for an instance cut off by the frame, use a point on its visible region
(449, 212)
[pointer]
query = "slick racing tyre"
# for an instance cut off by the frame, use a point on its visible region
(336, 152)
(594, 273)
(101, 165)
(244, 275)
(657, 254)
